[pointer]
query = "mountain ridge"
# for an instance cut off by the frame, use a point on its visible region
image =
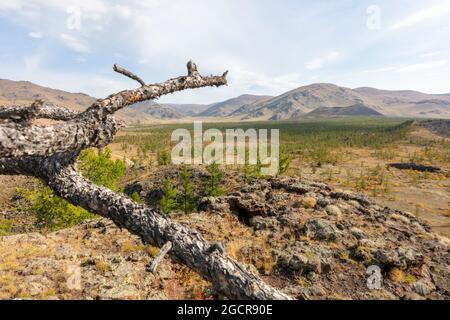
(294, 104)
(225, 108)
(300, 101)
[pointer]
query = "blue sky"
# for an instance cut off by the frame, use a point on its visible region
(268, 46)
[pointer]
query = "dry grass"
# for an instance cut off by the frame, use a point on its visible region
(102, 266)
(400, 276)
(131, 246)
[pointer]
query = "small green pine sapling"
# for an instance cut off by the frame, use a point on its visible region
(168, 202)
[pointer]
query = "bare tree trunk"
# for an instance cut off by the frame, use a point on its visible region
(50, 152)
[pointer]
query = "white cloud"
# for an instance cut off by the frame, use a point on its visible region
(430, 54)
(263, 56)
(420, 16)
(96, 85)
(36, 35)
(240, 81)
(122, 11)
(74, 44)
(253, 81)
(422, 66)
(11, 5)
(32, 63)
(319, 63)
(382, 69)
(408, 67)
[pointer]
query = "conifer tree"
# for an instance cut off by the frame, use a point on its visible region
(168, 202)
(215, 177)
(187, 197)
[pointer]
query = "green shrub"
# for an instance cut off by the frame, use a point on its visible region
(168, 202)
(136, 197)
(98, 167)
(187, 196)
(215, 178)
(250, 172)
(163, 158)
(285, 162)
(53, 212)
(6, 226)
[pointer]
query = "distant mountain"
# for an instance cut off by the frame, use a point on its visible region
(407, 102)
(357, 110)
(187, 109)
(225, 108)
(442, 94)
(24, 92)
(307, 101)
(154, 110)
(295, 103)
(301, 101)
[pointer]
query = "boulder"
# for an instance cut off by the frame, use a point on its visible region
(333, 210)
(309, 202)
(319, 229)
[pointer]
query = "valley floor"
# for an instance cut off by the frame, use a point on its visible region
(313, 232)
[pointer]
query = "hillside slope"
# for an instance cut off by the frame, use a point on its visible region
(227, 107)
(357, 110)
(155, 110)
(24, 92)
(293, 104)
(188, 110)
(298, 102)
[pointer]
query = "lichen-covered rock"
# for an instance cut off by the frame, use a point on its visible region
(333, 210)
(358, 233)
(422, 287)
(402, 257)
(214, 204)
(309, 202)
(261, 223)
(319, 229)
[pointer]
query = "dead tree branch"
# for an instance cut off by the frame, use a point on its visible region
(37, 110)
(128, 74)
(94, 127)
(50, 152)
(160, 256)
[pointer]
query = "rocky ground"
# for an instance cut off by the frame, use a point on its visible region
(309, 240)
(438, 126)
(94, 260)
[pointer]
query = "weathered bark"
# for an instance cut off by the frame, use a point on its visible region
(160, 256)
(37, 110)
(128, 74)
(49, 153)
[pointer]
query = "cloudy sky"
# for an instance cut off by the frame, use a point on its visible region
(268, 46)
